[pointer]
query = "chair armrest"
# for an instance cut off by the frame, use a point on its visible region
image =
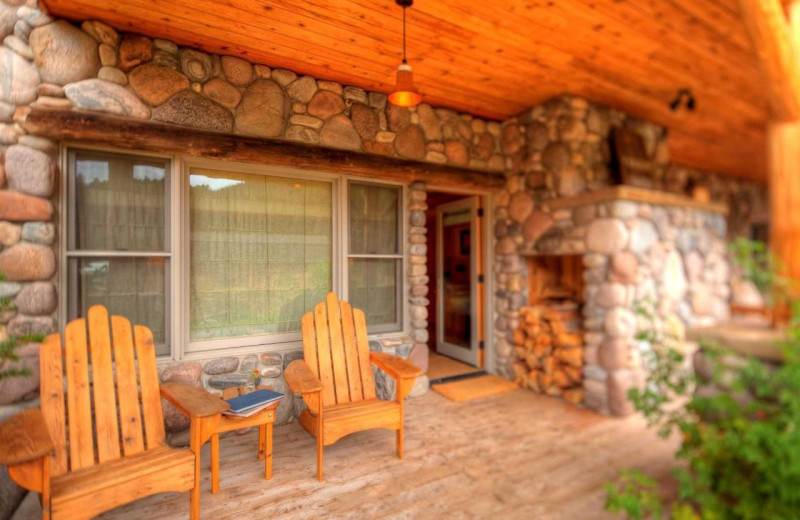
(396, 367)
(24, 438)
(193, 401)
(301, 379)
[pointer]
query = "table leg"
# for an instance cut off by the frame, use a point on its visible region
(268, 450)
(261, 453)
(215, 463)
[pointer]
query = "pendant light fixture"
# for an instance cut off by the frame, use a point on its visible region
(404, 93)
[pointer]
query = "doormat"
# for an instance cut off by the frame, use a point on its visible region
(475, 388)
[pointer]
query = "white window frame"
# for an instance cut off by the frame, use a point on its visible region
(399, 324)
(68, 218)
(177, 276)
(259, 342)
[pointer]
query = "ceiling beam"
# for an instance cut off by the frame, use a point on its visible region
(773, 43)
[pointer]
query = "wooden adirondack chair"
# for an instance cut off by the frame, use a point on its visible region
(91, 455)
(335, 377)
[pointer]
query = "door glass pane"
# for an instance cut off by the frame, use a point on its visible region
(373, 288)
(131, 287)
(374, 218)
(120, 203)
(456, 278)
(261, 252)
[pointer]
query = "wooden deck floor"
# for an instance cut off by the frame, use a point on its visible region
(512, 456)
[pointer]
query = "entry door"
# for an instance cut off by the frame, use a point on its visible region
(457, 298)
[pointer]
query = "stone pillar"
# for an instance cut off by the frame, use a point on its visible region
(418, 278)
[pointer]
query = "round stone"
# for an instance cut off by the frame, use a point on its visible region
(269, 359)
(222, 92)
(365, 119)
(456, 152)
(195, 64)
(410, 142)
(112, 74)
(63, 53)
(643, 236)
(101, 32)
(511, 139)
(188, 108)
(536, 225)
(174, 420)
(484, 147)
(154, 84)
(263, 110)
(237, 71)
(555, 157)
(397, 117)
(185, 373)
(19, 207)
(19, 78)
(9, 233)
(430, 124)
(283, 77)
(38, 298)
(620, 323)
(339, 132)
(30, 171)
(27, 262)
(624, 267)
(104, 96)
(303, 89)
(325, 104)
(537, 136)
(611, 295)
(15, 388)
(607, 236)
(674, 277)
(619, 384)
(223, 365)
(134, 50)
(520, 206)
(571, 181)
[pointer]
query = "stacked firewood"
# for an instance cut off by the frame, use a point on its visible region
(549, 346)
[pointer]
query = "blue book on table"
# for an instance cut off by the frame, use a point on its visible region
(253, 399)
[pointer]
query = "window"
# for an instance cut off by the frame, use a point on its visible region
(260, 254)
(375, 254)
(118, 247)
(227, 256)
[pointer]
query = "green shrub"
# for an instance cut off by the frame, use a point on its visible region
(740, 450)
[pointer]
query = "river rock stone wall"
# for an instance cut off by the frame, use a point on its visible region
(631, 250)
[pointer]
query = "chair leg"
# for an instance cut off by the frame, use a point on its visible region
(400, 443)
(194, 494)
(46, 487)
(319, 445)
(215, 463)
(268, 451)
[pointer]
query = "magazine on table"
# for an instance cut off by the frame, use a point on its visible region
(249, 404)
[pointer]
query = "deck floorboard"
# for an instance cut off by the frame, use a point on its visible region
(517, 455)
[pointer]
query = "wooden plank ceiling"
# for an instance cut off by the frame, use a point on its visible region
(495, 59)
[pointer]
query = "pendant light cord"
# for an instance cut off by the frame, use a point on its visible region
(404, 34)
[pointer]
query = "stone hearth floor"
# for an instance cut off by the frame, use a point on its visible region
(518, 455)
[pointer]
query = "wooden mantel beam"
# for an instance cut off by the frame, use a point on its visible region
(773, 42)
(126, 133)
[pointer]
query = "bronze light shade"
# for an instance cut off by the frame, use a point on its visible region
(404, 93)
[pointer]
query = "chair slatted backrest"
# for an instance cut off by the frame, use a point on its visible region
(82, 415)
(336, 348)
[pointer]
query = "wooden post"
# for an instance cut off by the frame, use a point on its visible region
(784, 169)
(784, 189)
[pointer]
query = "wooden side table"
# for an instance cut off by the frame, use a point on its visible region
(263, 419)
